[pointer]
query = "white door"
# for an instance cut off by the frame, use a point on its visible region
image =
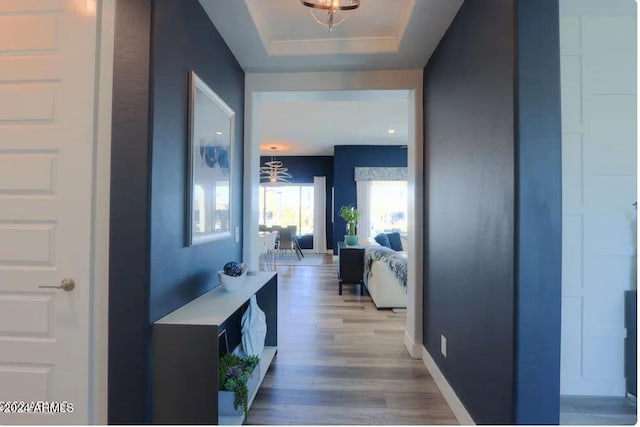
(47, 84)
(598, 63)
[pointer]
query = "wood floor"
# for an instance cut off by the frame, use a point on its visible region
(595, 410)
(341, 361)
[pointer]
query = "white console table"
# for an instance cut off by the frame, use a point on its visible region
(185, 351)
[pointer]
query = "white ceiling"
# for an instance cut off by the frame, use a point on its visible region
(312, 123)
(281, 36)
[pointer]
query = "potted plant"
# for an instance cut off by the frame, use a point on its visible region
(236, 377)
(351, 215)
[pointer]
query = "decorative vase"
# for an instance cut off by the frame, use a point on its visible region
(351, 240)
(230, 283)
(254, 329)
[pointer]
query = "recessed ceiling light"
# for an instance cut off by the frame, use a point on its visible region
(218, 132)
(391, 131)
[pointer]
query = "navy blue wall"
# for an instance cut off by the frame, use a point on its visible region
(492, 202)
(345, 159)
(469, 194)
(185, 39)
(539, 213)
(303, 169)
(129, 215)
(152, 271)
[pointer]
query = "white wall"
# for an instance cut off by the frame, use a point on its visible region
(256, 84)
(598, 68)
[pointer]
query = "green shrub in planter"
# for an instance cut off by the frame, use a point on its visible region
(233, 374)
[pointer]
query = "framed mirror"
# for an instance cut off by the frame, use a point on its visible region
(210, 154)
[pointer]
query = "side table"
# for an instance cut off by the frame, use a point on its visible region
(350, 266)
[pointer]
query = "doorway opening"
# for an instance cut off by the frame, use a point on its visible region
(262, 90)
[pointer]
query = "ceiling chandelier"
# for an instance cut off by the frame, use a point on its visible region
(273, 171)
(331, 7)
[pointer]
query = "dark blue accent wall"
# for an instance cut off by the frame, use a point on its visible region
(492, 202)
(129, 215)
(303, 169)
(184, 40)
(469, 189)
(152, 271)
(345, 159)
(539, 213)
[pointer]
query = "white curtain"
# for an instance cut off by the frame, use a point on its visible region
(319, 214)
(363, 200)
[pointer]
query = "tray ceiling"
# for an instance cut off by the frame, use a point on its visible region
(281, 35)
(372, 28)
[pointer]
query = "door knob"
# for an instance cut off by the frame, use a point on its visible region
(66, 285)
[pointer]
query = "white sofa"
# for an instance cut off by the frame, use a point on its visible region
(385, 288)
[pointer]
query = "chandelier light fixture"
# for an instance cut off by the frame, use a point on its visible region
(336, 11)
(274, 171)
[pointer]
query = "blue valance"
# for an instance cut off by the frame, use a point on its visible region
(381, 174)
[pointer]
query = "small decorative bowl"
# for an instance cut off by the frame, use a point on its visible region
(232, 283)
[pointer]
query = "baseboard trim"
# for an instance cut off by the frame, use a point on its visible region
(414, 349)
(447, 391)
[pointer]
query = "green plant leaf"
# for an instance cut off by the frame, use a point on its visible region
(233, 374)
(349, 214)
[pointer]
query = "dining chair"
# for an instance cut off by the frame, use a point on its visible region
(271, 249)
(294, 237)
(263, 257)
(285, 242)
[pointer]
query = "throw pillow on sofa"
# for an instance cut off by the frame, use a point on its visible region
(395, 242)
(383, 240)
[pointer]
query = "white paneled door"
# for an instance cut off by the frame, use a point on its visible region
(599, 187)
(47, 85)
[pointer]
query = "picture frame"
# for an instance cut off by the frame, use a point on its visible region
(210, 164)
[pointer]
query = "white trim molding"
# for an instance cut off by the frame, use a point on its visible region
(99, 309)
(414, 348)
(447, 391)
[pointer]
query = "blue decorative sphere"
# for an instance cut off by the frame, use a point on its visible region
(232, 268)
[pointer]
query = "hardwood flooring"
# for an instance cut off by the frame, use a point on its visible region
(341, 361)
(596, 410)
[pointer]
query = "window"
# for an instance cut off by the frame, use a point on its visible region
(388, 206)
(287, 205)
